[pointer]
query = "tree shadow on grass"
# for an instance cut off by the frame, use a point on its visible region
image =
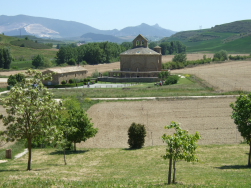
(68, 152)
(131, 149)
(233, 167)
(10, 170)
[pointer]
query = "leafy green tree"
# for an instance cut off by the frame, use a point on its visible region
(76, 119)
(242, 118)
(71, 62)
(164, 74)
(31, 110)
(13, 79)
(1, 59)
(84, 129)
(7, 58)
(136, 134)
(221, 56)
(180, 146)
(181, 58)
(152, 45)
(38, 61)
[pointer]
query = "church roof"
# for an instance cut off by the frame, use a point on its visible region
(140, 36)
(139, 51)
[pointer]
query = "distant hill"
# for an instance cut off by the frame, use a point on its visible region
(234, 37)
(54, 28)
(91, 37)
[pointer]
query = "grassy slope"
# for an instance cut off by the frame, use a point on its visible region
(224, 31)
(26, 53)
(218, 166)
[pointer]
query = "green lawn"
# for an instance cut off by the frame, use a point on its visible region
(185, 87)
(218, 166)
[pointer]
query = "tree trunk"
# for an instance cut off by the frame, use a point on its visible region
(174, 171)
(64, 158)
(75, 146)
(29, 150)
(170, 170)
(249, 155)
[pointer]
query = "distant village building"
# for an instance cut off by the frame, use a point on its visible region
(139, 62)
(65, 74)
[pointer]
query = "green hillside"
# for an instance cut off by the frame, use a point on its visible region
(26, 52)
(234, 37)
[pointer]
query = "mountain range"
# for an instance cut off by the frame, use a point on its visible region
(54, 28)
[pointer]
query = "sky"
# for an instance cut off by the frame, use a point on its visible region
(176, 15)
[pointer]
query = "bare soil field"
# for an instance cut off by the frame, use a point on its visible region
(210, 117)
(229, 76)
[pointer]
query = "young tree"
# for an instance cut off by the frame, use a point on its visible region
(31, 110)
(76, 122)
(180, 146)
(242, 118)
(79, 120)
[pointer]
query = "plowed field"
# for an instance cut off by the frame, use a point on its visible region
(230, 76)
(210, 117)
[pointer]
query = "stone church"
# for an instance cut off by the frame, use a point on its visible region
(140, 61)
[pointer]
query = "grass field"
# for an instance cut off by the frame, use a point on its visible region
(218, 166)
(184, 87)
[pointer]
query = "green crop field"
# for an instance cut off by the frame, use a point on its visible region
(234, 37)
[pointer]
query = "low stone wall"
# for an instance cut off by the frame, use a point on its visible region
(3, 85)
(139, 79)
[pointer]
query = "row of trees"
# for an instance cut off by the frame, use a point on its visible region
(167, 48)
(92, 53)
(33, 115)
(5, 58)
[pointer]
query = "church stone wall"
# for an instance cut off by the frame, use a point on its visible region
(140, 63)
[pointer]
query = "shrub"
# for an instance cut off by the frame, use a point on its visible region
(72, 61)
(172, 80)
(63, 82)
(181, 58)
(95, 74)
(136, 134)
(221, 55)
(71, 81)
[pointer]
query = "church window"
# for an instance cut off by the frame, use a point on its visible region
(137, 43)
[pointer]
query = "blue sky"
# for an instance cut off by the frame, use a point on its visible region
(176, 15)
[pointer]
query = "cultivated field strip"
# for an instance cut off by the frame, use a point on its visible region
(210, 117)
(230, 76)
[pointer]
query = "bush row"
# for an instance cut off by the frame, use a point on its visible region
(239, 57)
(180, 65)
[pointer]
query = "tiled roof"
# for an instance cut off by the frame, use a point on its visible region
(140, 50)
(67, 69)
